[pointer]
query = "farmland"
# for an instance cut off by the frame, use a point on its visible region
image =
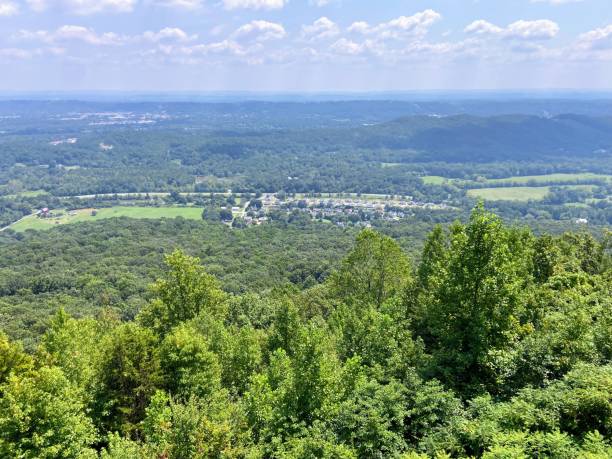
(518, 193)
(557, 179)
(532, 180)
(84, 215)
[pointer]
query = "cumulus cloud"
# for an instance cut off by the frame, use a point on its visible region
(181, 4)
(321, 29)
(84, 7)
(346, 46)
(542, 29)
(73, 33)
(168, 34)
(597, 39)
(228, 47)
(255, 4)
(556, 2)
(8, 9)
(417, 25)
(260, 31)
(482, 27)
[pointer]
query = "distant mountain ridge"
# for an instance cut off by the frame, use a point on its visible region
(481, 139)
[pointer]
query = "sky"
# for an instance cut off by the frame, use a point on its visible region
(305, 45)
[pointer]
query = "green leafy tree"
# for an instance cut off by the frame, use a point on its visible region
(185, 291)
(188, 366)
(196, 429)
(374, 270)
(42, 415)
(74, 346)
(475, 316)
(129, 375)
(371, 419)
(13, 360)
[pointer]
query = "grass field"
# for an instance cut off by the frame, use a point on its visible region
(85, 215)
(532, 180)
(518, 193)
(434, 180)
(551, 178)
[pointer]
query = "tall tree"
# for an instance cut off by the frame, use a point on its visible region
(129, 375)
(475, 315)
(185, 291)
(374, 270)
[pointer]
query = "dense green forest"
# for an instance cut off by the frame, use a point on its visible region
(491, 342)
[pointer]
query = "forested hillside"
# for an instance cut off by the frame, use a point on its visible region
(495, 343)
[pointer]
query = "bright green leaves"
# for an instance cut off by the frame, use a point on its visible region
(374, 271)
(13, 360)
(42, 416)
(185, 291)
(478, 300)
(188, 366)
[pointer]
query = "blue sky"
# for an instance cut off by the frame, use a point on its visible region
(305, 45)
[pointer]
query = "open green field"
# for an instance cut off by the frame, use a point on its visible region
(552, 178)
(518, 193)
(434, 180)
(85, 215)
(533, 180)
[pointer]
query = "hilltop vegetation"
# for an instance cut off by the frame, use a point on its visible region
(495, 344)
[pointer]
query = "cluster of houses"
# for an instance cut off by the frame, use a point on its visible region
(344, 210)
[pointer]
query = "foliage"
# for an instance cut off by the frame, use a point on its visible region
(42, 416)
(496, 345)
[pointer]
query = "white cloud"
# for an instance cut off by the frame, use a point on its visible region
(556, 2)
(482, 27)
(225, 46)
(321, 29)
(21, 54)
(181, 4)
(346, 46)
(8, 9)
(255, 4)
(73, 33)
(320, 3)
(260, 31)
(542, 29)
(417, 25)
(597, 39)
(84, 7)
(359, 27)
(168, 34)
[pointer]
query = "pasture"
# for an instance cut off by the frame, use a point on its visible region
(64, 217)
(518, 193)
